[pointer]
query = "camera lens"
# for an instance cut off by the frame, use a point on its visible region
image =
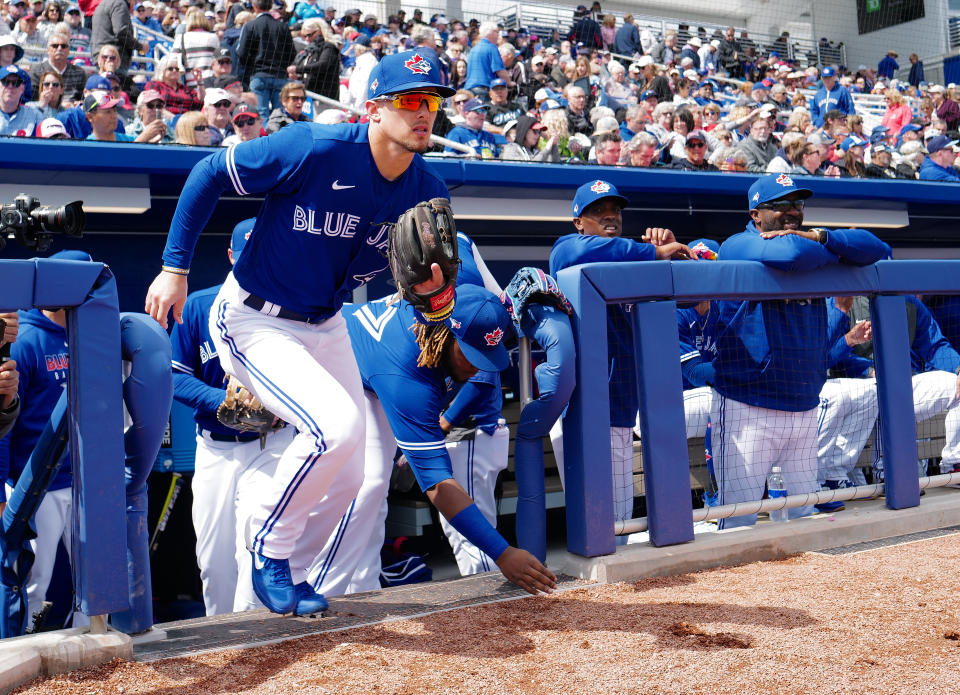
(68, 219)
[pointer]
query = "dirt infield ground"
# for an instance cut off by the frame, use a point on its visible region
(885, 620)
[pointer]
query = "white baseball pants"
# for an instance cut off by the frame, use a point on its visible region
(845, 418)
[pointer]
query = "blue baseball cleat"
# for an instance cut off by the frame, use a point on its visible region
(272, 583)
(829, 507)
(309, 602)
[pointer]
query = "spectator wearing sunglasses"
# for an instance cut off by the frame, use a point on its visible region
(247, 125)
(218, 108)
(695, 149)
(292, 98)
(150, 119)
(472, 134)
(51, 94)
(318, 64)
(193, 129)
(72, 77)
(75, 119)
(167, 81)
(16, 118)
(79, 34)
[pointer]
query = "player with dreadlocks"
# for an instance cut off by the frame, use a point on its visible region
(409, 370)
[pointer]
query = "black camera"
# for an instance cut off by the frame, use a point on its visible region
(33, 225)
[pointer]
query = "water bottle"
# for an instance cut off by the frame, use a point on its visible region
(776, 489)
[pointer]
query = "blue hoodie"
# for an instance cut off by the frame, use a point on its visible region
(42, 361)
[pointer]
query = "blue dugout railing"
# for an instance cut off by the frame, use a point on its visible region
(654, 288)
(95, 430)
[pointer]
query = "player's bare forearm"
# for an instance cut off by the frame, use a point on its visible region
(673, 251)
(167, 290)
(449, 497)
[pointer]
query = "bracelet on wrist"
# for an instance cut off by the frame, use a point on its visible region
(175, 271)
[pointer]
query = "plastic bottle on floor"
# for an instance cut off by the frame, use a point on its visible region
(776, 489)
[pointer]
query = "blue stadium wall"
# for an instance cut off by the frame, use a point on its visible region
(692, 204)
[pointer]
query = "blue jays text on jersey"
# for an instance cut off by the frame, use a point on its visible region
(322, 228)
(698, 345)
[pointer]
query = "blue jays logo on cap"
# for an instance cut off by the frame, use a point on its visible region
(408, 70)
(773, 187)
(593, 191)
(493, 337)
(417, 65)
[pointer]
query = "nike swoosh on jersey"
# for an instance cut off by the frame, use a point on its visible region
(338, 187)
(258, 561)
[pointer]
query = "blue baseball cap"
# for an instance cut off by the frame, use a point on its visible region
(591, 192)
(480, 324)
(72, 255)
(404, 71)
(97, 82)
(649, 93)
(909, 127)
(940, 142)
(852, 141)
(880, 147)
(474, 105)
(828, 72)
(498, 82)
(698, 246)
(241, 233)
(773, 187)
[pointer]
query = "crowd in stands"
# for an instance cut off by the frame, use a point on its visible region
(606, 92)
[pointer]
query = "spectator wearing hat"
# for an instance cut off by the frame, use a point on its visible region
(220, 68)
(167, 80)
(888, 66)
(25, 32)
(218, 108)
(51, 129)
(708, 56)
(247, 125)
(293, 96)
(653, 81)
(150, 119)
(50, 101)
(75, 119)
(526, 143)
(318, 64)
(142, 19)
(471, 132)
(758, 147)
(852, 166)
(101, 111)
(501, 111)
(196, 47)
(691, 51)
(72, 77)
(947, 109)
(10, 51)
(938, 165)
(880, 166)
(368, 25)
(627, 41)
(112, 24)
(916, 71)
(265, 49)
(13, 11)
(909, 133)
(695, 149)
(79, 34)
(484, 64)
(829, 97)
(15, 117)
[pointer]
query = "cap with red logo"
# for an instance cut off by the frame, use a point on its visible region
(245, 110)
(51, 128)
(480, 324)
(591, 192)
(101, 100)
(401, 72)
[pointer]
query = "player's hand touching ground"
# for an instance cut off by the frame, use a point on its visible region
(167, 290)
(526, 571)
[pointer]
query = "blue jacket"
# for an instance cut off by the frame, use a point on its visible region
(42, 361)
(946, 311)
(931, 171)
(627, 41)
(698, 345)
(574, 249)
(837, 98)
(887, 67)
(773, 354)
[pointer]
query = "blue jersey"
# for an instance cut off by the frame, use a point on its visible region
(841, 359)
(698, 345)
(198, 378)
(477, 139)
(322, 229)
(837, 98)
(412, 397)
(483, 65)
(946, 310)
(481, 396)
(773, 354)
(574, 249)
(42, 362)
